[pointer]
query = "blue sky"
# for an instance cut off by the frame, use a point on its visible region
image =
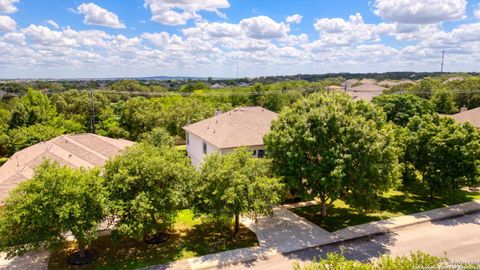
(107, 38)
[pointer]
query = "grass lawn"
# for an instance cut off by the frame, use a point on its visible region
(191, 237)
(393, 204)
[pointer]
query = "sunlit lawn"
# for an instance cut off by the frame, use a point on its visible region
(393, 204)
(191, 237)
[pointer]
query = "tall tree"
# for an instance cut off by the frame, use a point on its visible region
(444, 101)
(147, 186)
(400, 108)
(57, 200)
(33, 108)
(236, 184)
(329, 147)
(445, 153)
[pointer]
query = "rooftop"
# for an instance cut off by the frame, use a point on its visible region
(367, 88)
(472, 116)
(83, 150)
(239, 127)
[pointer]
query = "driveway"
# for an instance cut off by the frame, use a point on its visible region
(286, 231)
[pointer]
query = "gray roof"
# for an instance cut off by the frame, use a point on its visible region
(83, 150)
(239, 127)
(368, 88)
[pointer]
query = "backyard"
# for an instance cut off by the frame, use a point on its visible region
(392, 204)
(190, 237)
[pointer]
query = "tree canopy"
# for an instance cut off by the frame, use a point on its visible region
(446, 154)
(330, 147)
(400, 108)
(57, 200)
(147, 186)
(236, 184)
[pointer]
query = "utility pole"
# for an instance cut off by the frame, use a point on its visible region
(443, 59)
(92, 113)
(237, 66)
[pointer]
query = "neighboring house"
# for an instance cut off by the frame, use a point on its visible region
(217, 86)
(365, 91)
(471, 116)
(334, 88)
(2, 94)
(227, 131)
(349, 83)
(368, 81)
(83, 150)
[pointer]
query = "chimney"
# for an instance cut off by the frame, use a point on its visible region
(464, 109)
(217, 112)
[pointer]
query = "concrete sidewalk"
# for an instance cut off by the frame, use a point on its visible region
(351, 233)
(30, 261)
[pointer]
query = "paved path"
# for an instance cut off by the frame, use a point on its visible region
(458, 237)
(29, 261)
(286, 231)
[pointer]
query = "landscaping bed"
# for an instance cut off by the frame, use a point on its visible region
(392, 204)
(190, 237)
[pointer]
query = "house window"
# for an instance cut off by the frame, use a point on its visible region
(254, 153)
(188, 139)
(204, 148)
(261, 153)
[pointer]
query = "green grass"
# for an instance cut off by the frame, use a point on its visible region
(191, 237)
(392, 204)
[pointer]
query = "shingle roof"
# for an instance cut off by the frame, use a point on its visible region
(240, 127)
(368, 88)
(472, 116)
(366, 96)
(83, 150)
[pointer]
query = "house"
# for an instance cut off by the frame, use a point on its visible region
(334, 88)
(471, 116)
(365, 92)
(2, 94)
(368, 81)
(75, 151)
(242, 127)
(349, 83)
(217, 86)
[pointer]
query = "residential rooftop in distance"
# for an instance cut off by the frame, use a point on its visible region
(83, 150)
(471, 116)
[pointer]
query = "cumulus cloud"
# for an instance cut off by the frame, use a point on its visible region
(7, 24)
(96, 15)
(297, 18)
(8, 6)
(476, 12)
(263, 27)
(174, 12)
(420, 12)
(337, 31)
(53, 24)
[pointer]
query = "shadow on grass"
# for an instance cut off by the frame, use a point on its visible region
(392, 204)
(201, 239)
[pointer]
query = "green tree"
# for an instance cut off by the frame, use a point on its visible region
(158, 137)
(57, 200)
(24, 137)
(236, 184)
(329, 147)
(444, 101)
(400, 108)
(147, 186)
(446, 154)
(33, 108)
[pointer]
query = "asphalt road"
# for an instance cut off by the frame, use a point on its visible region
(458, 239)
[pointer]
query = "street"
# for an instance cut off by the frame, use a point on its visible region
(458, 239)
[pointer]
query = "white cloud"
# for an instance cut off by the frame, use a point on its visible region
(297, 18)
(7, 24)
(95, 15)
(420, 12)
(337, 31)
(8, 6)
(476, 12)
(263, 27)
(174, 12)
(53, 24)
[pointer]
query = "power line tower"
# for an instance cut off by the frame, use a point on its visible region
(443, 59)
(92, 113)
